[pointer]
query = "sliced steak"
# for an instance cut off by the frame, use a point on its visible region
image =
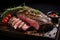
(17, 23)
(32, 22)
(25, 27)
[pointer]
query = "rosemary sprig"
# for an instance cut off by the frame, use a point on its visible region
(20, 8)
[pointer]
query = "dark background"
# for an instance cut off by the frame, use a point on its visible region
(43, 5)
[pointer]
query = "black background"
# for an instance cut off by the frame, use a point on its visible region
(43, 5)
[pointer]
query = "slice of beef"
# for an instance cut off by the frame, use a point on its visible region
(16, 23)
(25, 27)
(32, 22)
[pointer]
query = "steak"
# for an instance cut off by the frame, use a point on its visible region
(17, 23)
(32, 22)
